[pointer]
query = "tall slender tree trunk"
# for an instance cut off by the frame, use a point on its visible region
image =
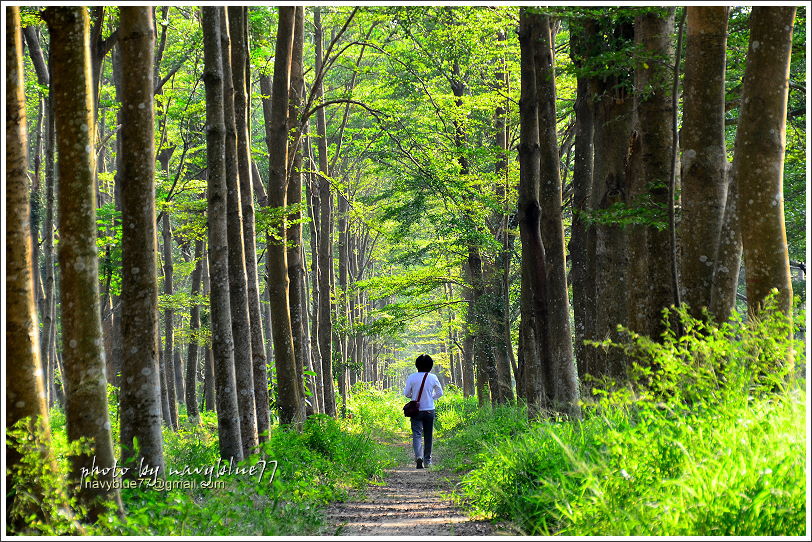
(313, 208)
(325, 253)
(703, 178)
(140, 394)
(291, 403)
(582, 236)
(296, 271)
(242, 82)
(228, 421)
(342, 303)
(237, 282)
(194, 328)
(209, 401)
(25, 391)
(85, 383)
(759, 157)
(562, 386)
(169, 329)
(533, 349)
(498, 288)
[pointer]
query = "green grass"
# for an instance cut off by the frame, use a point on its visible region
(711, 443)
(315, 466)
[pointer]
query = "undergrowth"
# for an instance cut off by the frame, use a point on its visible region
(708, 437)
(314, 467)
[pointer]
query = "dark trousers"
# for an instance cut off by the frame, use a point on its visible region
(422, 430)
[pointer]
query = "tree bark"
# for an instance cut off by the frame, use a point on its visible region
(759, 157)
(209, 402)
(533, 348)
(237, 282)
(140, 395)
(562, 386)
(291, 404)
(342, 303)
(85, 383)
(582, 236)
(228, 421)
(704, 183)
(325, 253)
(169, 330)
(613, 143)
(296, 271)
(650, 280)
(25, 391)
(242, 82)
(313, 209)
(194, 327)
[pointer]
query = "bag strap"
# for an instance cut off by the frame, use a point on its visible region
(420, 393)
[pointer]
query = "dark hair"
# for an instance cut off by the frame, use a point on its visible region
(424, 363)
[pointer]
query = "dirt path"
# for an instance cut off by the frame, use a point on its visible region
(411, 502)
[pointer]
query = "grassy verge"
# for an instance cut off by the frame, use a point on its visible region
(713, 443)
(315, 466)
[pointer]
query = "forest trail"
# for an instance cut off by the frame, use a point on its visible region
(409, 502)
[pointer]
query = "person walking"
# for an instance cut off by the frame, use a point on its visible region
(424, 388)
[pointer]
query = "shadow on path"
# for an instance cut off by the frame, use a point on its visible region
(411, 502)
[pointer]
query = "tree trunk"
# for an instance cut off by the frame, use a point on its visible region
(325, 252)
(237, 282)
(498, 290)
(291, 404)
(562, 386)
(582, 236)
(85, 384)
(342, 303)
(25, 392)
(140, 395)
(727, 264)
(759, 157)
(313, 208)
(704, 183)
(612, 143)
(169, 330)
(242, 82)
(209, 402)
(296, 272)
(194, 327)
(533, 348)
(650, 280)
(228, 421)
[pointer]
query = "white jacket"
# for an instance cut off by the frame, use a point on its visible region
(431, 391)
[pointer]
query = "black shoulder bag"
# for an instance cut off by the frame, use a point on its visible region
(412, 407)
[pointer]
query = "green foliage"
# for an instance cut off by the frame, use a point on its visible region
(701, 442)
(36, 491)
(378, 411)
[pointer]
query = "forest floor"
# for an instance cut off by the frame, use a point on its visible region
(409, 502)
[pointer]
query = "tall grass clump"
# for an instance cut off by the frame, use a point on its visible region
(707, 437)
